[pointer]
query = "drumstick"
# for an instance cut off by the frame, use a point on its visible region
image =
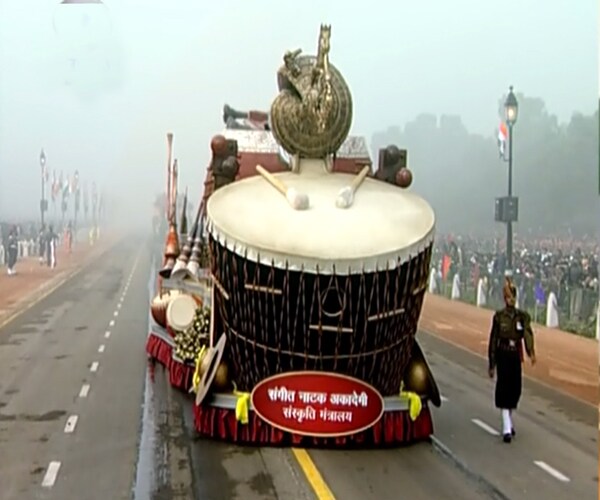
(298, 201)
(345, 197)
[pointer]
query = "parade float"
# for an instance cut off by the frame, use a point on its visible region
(302, 326)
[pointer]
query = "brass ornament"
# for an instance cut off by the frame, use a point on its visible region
(312, 114)
(418, 377)
(404, 178)
(221, 382)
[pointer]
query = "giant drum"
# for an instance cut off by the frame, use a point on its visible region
(326, 289)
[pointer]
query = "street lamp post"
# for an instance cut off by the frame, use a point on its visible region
(43, 173)
(511, 111)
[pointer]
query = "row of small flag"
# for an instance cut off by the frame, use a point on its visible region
(65, 185)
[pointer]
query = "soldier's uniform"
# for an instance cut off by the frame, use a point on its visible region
(13, 251)
(511, 328)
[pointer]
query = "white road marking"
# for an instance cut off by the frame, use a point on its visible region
(101, 348)
(107, 334)
(487, 428)
(85, 389)
(444, 399)
(119, 305)
(50, 476)
(94, 367)
(130, 277)
(552, 471)
(112, 322)
(116, 313)
(71, 423)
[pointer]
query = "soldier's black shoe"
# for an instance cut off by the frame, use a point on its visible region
(507, 438)
(513, 432)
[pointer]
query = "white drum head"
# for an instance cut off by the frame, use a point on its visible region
(181, 312)
(384, 227)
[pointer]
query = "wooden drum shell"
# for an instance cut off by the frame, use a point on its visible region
(278, 320)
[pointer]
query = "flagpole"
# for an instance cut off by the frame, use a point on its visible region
(42, 164)
(64, 202)
(511, 107)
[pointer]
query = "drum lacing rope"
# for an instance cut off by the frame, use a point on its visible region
(295, 354)
(383, 343)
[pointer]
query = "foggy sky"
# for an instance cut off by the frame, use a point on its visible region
(174, 64)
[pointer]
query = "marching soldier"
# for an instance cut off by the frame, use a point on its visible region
(13, 250)
(42, 243)
(511, 328)
(69, 238)
(51, 239)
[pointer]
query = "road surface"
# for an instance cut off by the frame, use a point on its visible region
(83, 416)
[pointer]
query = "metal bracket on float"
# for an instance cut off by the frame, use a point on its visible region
(200, 288)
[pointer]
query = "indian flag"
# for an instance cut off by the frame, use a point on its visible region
(502, 138)
(66, 188)
(54, 190)
(74, 184)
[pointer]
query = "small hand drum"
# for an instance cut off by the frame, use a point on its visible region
(181, 312)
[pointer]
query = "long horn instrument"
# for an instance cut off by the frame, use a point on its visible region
(172, 245)
(193, 265)
(174, 180)
(183, 223)
(184, 256)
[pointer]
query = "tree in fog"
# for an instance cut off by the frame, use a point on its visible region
(459, 173)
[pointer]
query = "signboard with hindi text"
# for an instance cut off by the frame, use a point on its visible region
(319, 404)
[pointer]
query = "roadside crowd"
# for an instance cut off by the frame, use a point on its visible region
(20, 241)
(563, 266)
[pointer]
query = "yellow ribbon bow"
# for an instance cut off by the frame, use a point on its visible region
(196, 379)
(414, 402)
(242, 406)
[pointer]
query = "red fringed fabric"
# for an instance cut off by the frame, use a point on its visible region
(159, 350)
(181, 375)
(395, 428)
